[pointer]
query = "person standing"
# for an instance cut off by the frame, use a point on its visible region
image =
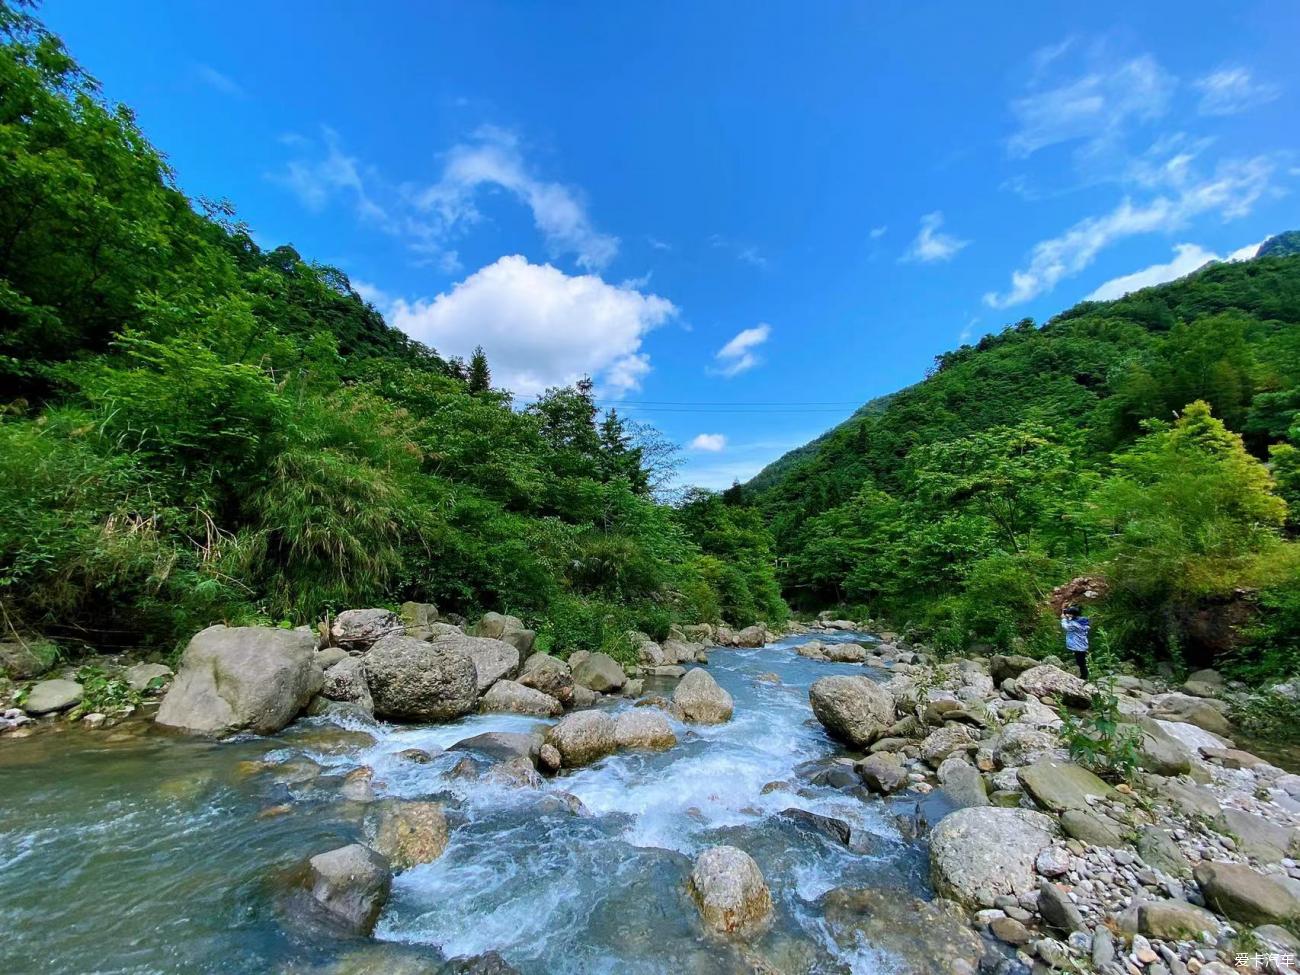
(1076, 627)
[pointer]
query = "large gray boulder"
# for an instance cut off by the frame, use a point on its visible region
(1196, 711)
(942, 742)
(1242, 894)
(352, 884)
(730, 892)
(599, 672)
(408, 832)
(1257, 837)
(1022, 744)
(1159, 751)
(750, 636)
(1046, 680)
(142, 676)
(550, 675)
(415, 680)
(52, 696)
(357, 630)
(346, 681)
(1059, 786)
(583, 737)
(919, 937)
(701, 699)
(643, 728)
(979, 853)
(856, 710)
(494, 660)
(24, 659)
(242, 678)
(508, 629)
(506, 695)
(502, 746)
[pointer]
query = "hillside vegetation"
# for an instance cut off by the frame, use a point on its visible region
(194, 429)
(1149, 439)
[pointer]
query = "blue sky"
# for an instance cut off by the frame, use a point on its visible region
(742, 220)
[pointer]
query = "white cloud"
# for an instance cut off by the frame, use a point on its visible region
(373, 294)
(539, 326)
(744, 253)
(493, 158)
(658, 244)
(1231, 192)
(217, 81)
(1229, 91)
(878, 232)
(738, 354)
(709, 442)
(1187, 258)
(931, 244)
(315, 183)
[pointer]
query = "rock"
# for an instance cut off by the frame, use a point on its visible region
(1022, 744)
(643, 728)
(1190, 797)
(409, 833)
(1192, 738)
(942, 742)
(418, 619)
(1191, 710)
(358, 785)
(352, 885)
(834, 829)
(583, 737)
(501, 746)
(1256, 836)
(962, 783)
(919, 937)
(1009, 930)
(750, 636)
(141, 676)
(1159, 751)
(1173, 920)
(242, 678)
(1053, 862)
(701, 699)
(1158, 849)
(1091, 829)
(699, 633)
(584, 697)
(52, 696)
(881, 774)
(549, 758)
(25, 659)
(1233, 758)
(507, 629)
(1057, 909)
(598, 672)
(1009, 667)
(1061, 786)
(357, 630)
(517, 773)
(1046, 680)
(494, 660)
(550, 675)
(1242, 894)
(856, 710)
(329, 656)
(846, 653)
(346, 681)
(506, 695)
(980, 852)
(414, 680)
(730, 892)
(1103, 948)
(1206, 676)
(417, 756)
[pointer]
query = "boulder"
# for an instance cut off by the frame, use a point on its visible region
(327, 657)
(584, 697)
(1022, 744)
(643, 728)
(1242, 894)
(418, 619)
(699, 633)
(242, 678)
(494, 660)
(942, 742)
(918, 937)
(516, 773)
(750, 636)
(346, 681)
(408, 833)
(882, 774)
(1159, 751)
(701, 699)
(1196, 711)
(598, 672)
(357, 630)
(506, 695)
(1092, 829)
(583, 737)
(352, 884)
(141, 676)
(415, 680)
(1256, 836)
(981, 852)
(1159, 850)
(833, 829)
(846, 653)
(1057, 909)
(502, 746)
(730, 892)
(508, 629)
(550, 675)
(1009, 666)
(962, 783)
(25, 659)
(1173, 920)
(856, 710)
(52, 696)
(1046, 680)
(1059, 786)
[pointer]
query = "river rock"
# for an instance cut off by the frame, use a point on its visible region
(1159, 751)
(1242, 894)
(508, 629)
(583, 737)
(1191, 710)
(418, 618)
(357, 630)
(517, 773)
(1257, 837)
(1092, 829)
(24, 659)
(584, 697)
(415, 680)
(856, 710)
(643, 728)
(52, 696)
(550, 675)
(1059, 786)
(701, 699)
(1158, 849)
(730, 892)
(962, 783)
(882, 774)
(501, 746)
(346, 681)
(1057, 909)
(699, 633)
(1009, 666)
(140, 676)
(408, 832)
(352, 885)
(983, 851)
(1022, 744)
(920, 937)
(506, 695)
(846, 653)
(942, 742)
(494, 660)
(750, 636)
(241, 678)
(1174, 920)
(1046, 680)
(598, 672)
(834, 829)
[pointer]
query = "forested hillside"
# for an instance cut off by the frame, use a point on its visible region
(1129, 438)
(193, 429)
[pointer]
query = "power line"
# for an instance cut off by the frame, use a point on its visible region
(669, 402)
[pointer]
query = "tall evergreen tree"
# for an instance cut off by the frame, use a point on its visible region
(480, 377)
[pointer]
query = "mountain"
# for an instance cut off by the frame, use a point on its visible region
(1281, 245)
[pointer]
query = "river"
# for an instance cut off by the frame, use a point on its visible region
(134, 851)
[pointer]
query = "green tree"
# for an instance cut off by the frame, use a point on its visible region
(480, 377)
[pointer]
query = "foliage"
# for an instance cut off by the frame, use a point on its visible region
(104, 693)
(1100, 740)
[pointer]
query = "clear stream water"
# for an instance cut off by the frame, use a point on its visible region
(134, 851)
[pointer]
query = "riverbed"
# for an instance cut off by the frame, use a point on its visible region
(136, 851)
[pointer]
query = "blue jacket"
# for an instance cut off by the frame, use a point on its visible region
(1076, 633)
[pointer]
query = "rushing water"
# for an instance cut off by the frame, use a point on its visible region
(146, 853)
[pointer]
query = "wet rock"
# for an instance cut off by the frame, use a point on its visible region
(584, 697)
(414, 680)
(701, 699)
(598, 672)
(501, 746)
(1242, 894)
(549, 758)
(357, 630)
(768, 677)
(141, 676)
(730, 892)
(52, 696)
(416, 756)
(352, 884)
(1046, 680)
(488, 963)
(583, 737)
(962, 783)
(750, 636)
(662, 704)
(494, 660)
(925, 937)
(1059, 786)
(833, 829)
(346, 681)
(408, 832)
(856, 710)
(358, 785)
(942, 742)
(882, 774)
(506, 695)
(242, 678)
(1173, 920)
(643, 728)
(846, 653)
(562, 802)
(1057, 909)
(517, 773)
(550, 675)
(980, 852)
